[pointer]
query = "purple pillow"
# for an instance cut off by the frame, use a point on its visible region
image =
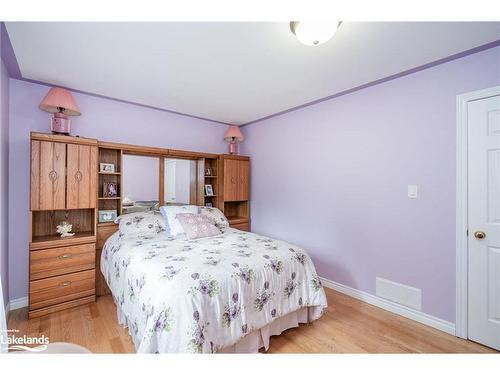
(197, 226)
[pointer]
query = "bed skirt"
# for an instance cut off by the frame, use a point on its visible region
(259, 338)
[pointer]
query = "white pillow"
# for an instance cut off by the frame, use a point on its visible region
(141, 223)
(169, 213)
(216, 215)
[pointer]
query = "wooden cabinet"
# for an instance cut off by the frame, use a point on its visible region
(235, 187)
(81, 180)
(63, 188)
(63, 175)
(48, 175)
(236, 174)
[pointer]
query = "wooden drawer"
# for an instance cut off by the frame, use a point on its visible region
(60, 289)
(62, 306)
(103, 233)
(62, 260)
(241, 226)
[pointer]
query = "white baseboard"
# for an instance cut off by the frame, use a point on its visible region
(17, 303)
(407, 312)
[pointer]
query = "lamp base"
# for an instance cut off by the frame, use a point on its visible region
(233, 148)
(60, 124)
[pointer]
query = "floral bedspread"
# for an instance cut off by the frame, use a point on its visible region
(180, 295)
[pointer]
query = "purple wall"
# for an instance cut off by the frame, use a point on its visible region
(4, 178)
(333, 178)
(105, 119)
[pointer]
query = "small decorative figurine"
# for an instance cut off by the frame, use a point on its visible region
(64, 229)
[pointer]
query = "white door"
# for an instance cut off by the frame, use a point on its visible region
(483, 119)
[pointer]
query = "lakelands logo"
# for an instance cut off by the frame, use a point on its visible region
(20, 343)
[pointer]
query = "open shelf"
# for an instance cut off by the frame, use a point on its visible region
(237, 211)
(237, 219)
(55, 240)
(57, 237)
(212, 179)
(107, 224)
(44, 226)
(110, 156)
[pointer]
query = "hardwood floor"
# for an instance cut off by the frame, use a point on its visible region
(348, 326)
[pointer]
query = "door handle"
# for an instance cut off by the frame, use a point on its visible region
(78, 176)
(479, 234)
(53, 175)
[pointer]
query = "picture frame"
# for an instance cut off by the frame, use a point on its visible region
(208, 171)
(110, 190)
(106, 168)
(209, 191)
(107, 216)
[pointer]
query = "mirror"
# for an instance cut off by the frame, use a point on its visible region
(140, 183)
(180, 181)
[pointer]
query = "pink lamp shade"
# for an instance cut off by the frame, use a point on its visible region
(60, 100)
(233, 133)
(61, 103)
(233, 136)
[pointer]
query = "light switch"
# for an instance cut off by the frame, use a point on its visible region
(412, 191)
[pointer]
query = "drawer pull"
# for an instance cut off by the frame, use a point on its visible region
(65, 256)
(65, 284)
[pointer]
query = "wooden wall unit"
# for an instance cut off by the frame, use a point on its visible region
(66, 184)
(234, 171)
(63, 188)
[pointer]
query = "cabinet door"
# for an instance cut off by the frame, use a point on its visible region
(82, 175)
(230, 180)
(243, 169)
(48, 175)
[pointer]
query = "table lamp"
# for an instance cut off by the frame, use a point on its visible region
(60, 102)
(233, 136)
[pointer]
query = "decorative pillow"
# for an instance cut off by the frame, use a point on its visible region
(217, 216)
(173, 227)
(198, 225)
(141, 223)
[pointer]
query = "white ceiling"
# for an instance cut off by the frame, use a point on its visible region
(230, 72)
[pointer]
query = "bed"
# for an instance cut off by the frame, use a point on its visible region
(227, 293)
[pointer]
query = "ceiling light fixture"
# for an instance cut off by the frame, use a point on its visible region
(314, 33)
